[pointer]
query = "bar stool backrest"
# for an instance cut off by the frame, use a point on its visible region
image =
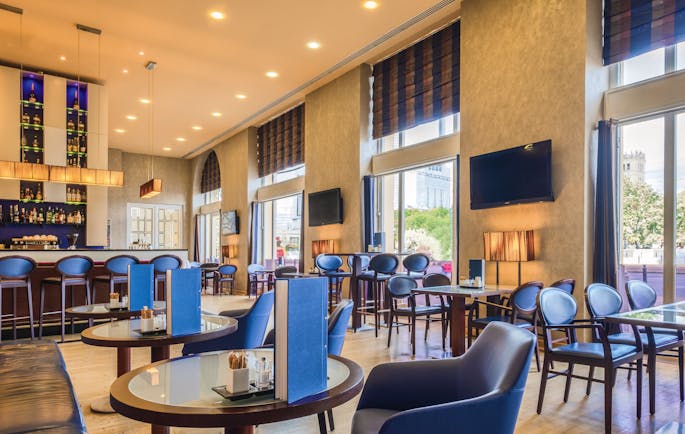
(280, 271)
(74, 266)
(416, 262)
(118, 265)
(328, 262)
(16, 267)
(640, 295)
(401, 286)
(385, 263)
(364, 260)
(567, 285)
(227, 269)
(436, 279)
(163, 263)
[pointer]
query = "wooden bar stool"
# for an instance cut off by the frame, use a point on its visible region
(15, 272)
(329, 266)
(73, 271)
(117, 272)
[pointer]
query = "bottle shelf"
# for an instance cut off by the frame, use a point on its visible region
(29, 104)
(34, 126)
(79, 111)
(77, 132)
(43, 224)
(31, 200)
(76, 203)
(32, 148)
(77, 154)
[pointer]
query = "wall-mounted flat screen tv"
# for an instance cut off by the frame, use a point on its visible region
(516, 175)
(230, 223)
(325, 207)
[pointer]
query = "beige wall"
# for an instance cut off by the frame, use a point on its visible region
(177, 185)
(338, 154)
(523, 79)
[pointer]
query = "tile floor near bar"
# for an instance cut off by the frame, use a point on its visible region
(92, 369)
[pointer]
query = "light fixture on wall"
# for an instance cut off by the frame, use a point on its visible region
(509, 246)
(154, 186)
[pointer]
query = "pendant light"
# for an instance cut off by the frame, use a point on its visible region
(154, 186)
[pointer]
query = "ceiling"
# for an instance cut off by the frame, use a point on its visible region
(204, 63)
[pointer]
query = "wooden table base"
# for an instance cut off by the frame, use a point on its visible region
(457, 326)
(239, 429)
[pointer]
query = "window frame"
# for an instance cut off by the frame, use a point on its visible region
(401, 135)
(155, 222)
(617, 70)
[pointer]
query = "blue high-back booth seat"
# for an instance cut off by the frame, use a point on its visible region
(479, 392)
(251, 327)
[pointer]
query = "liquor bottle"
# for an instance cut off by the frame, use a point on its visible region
(39, 194)
(36, 119)
(35, 142)
(25, 118)
(37, 160)
(16, 214)
(23, 140)
(48, 216)
(76, 105)
(81, 125)
(41, 216)
(31, 195)
(21, 194)
(70, 219)
(32, 93)
(83, 145)
(30, 217)
(24, 157)
(70, 124)
(78, 195)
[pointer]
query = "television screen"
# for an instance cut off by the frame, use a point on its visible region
(229, 222)
(325, 207)
(517, 175)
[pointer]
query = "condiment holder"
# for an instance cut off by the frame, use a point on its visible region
(147, 320)
(114, 300)
(238, 378)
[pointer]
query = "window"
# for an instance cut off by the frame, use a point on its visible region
(154, 226)
(419, 134)
(414, 213)
(211, 196)
(651, 64)
(281, 232)
(283, 175)
(210, 237)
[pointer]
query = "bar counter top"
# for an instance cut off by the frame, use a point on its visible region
(46, 257)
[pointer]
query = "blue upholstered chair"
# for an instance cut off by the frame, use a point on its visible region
(329, 266)
(381, 269)
(251, 327)
(15, 272)
(162, 264)
(117, 273)
(474, 393)
(557, 311)
(567, 285)
(258, 278)
(73, 271)
(225, 273)
(416, 265)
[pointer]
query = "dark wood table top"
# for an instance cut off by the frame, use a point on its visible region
(101, 311)
(122, 333)
(177, 392)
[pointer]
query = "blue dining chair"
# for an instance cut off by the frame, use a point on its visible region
(224, 274)
(15, 272)
(162, 264)
(252, 324)
(117, 273)
(473, 393)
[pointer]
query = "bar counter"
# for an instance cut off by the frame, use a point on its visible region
(46, 260)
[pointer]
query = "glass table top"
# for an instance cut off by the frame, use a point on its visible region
(665, 315)
(188, 381)
(103, 307)
(462, 290)
(126, 329)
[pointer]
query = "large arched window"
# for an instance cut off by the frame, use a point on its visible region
(209, 226)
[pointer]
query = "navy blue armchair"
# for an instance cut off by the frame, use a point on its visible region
(251, 327)
(443, 395)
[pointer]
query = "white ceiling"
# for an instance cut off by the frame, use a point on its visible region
(203, 63)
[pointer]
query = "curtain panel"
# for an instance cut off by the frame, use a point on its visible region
(280, 142)
(606, 248)
(211, 175)
(634, 27)
(417, 85)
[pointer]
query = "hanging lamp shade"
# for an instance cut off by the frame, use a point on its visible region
(151, 188)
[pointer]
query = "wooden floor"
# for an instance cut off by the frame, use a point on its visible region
(92, 369)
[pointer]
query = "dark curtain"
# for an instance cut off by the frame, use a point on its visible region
(196, 246)
(634, 27)
(254, 233)
(280, 142)
(417, 85)
(605, 249)
(301, 264)
(369, 210)
(456, 208)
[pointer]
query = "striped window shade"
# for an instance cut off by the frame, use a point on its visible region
(634, 27)
(211, 175)
(417, 85)
(280, 142)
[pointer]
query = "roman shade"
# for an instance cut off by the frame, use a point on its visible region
(280, 142)
(417, 85)
(633, 27)
(211, 175)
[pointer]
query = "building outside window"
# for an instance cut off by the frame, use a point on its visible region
(154, 226)
(281, 232)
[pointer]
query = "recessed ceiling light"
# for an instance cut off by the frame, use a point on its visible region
(216, 114)
(240, 96)
(119, 130)
(217, 15)
(313, 45)
(180, 139)
(370, 4)
(166, 148)
(125, 71)
(144, 101)
(196, 127)
(272, 74)
(141, 53)
(131, 117)
(63, 58)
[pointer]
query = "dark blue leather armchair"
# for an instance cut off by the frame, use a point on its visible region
(251, 327)
(479, 392)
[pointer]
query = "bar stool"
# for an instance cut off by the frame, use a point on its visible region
(208, 272)
(416, 265)
(15, 272)
(73, 271)
(162, 264)
(381, 268)
(225, 273)
(258, 277)
(117, 268)
(329, 266)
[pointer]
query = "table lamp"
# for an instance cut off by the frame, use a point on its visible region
(322, 246)
(509, 246)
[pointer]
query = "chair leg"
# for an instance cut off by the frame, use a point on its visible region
(567, 388)
(543, 383)
(71, 293)
(14, 313)
(590, 376)
(322, 423)
(537, 353)
(413, 335)
(680, 373)
(0, 314)
(651, 367)
(392, 318)
(609, 374)
(64, 296)
(639, 388)
(29, 294)
(428, 325)
(331, 424)
(40, 317)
